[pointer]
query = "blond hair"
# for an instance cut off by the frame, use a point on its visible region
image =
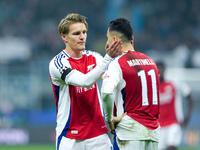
(65, 23)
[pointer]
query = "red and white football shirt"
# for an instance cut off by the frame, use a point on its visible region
(134, 80)
(79, 109)
(167, 104)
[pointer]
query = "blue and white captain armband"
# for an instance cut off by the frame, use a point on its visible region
(64, 71)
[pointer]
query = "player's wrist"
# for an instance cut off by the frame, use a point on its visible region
(107, 57)
(105, 62)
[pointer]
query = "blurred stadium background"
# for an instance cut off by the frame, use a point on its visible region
(165, 30)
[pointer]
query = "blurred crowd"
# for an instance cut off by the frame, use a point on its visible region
(38, 21)
(166, 29)
(159, 26)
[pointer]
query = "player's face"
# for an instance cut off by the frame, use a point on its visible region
(76, 38)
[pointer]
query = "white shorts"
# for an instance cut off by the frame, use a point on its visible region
(170, 136)
(101, 142)
(136, 145)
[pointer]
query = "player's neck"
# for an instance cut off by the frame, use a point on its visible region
(127, 47)
(73, 53)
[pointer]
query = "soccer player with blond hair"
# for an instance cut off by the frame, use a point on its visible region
(74, 72)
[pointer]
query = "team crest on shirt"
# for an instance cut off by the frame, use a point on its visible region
(90, 67)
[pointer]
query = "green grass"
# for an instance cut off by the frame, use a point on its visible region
(50, 147)
(28, 147)
(188, 149)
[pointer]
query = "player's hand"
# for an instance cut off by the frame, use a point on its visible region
(114, 49)
(112, 125)
(119, 118)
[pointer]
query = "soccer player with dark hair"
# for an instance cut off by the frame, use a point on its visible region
(131, 86)
(74, 72)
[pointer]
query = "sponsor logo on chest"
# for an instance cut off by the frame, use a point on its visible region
(83, 89)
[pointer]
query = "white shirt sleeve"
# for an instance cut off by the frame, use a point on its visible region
(74, 77)
(110, 82)
(111, 78)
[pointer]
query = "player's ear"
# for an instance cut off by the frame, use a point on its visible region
(115, 38)
(132, 40)
(64, 37)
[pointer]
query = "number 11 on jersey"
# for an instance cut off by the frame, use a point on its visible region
(142, 75)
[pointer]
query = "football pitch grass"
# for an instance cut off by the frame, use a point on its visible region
(51, 147)
(28, 147)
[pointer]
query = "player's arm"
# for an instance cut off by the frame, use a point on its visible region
(107, 95)
(87, 80)
(77, 78)
(110, 82)
(108, 105)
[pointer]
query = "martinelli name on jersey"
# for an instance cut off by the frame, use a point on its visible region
(136, 62)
